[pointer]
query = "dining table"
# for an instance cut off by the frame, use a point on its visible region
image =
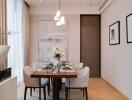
(56, 77)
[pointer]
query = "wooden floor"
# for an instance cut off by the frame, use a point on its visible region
(101, 90)
(98, 90)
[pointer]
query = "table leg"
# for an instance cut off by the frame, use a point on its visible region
(60, 83)
(39, 88)
(55, 89)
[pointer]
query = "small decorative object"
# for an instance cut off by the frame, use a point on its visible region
(49, 66)
(129, 28)
(114, 33)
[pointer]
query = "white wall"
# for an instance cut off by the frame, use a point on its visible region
(74, 38)
(73, 31)
(116, 60)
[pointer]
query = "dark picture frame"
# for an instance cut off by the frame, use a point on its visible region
(114, 33)
(129, 28)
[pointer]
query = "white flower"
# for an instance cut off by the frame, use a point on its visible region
(58, 53)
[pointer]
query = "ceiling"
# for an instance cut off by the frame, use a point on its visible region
(64, 2)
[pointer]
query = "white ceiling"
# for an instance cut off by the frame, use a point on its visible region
(64, 2)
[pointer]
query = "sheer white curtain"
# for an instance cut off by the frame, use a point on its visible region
(15, 37)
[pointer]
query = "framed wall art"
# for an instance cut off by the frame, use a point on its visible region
(51, 36)
(114, 33)
(129, 28)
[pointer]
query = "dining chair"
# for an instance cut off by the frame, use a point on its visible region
(81, 82)
(79, 66)
(33, 82)
(38, 65)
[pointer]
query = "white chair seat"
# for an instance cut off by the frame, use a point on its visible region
(73, 83)
(80, 81)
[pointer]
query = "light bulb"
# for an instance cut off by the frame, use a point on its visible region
(55, 18)
(58, 13)
(58, 23)
(62, 20)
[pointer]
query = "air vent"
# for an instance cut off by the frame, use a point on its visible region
(103, 4)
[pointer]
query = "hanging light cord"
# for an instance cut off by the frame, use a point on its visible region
(59, 4)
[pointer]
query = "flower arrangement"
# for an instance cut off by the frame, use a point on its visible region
(58, 53)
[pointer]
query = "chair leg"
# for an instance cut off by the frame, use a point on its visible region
(30, 91)
(83, 91)
(51, 80)
(44, 93)
(86, 93)
(34, 89)
(25, 92)
(60, 83)
(66, 93)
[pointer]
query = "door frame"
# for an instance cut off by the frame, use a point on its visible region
(99, 38)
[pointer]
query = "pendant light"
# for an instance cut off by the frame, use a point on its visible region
(60, 20)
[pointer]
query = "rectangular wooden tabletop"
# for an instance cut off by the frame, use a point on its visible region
(46, 74)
